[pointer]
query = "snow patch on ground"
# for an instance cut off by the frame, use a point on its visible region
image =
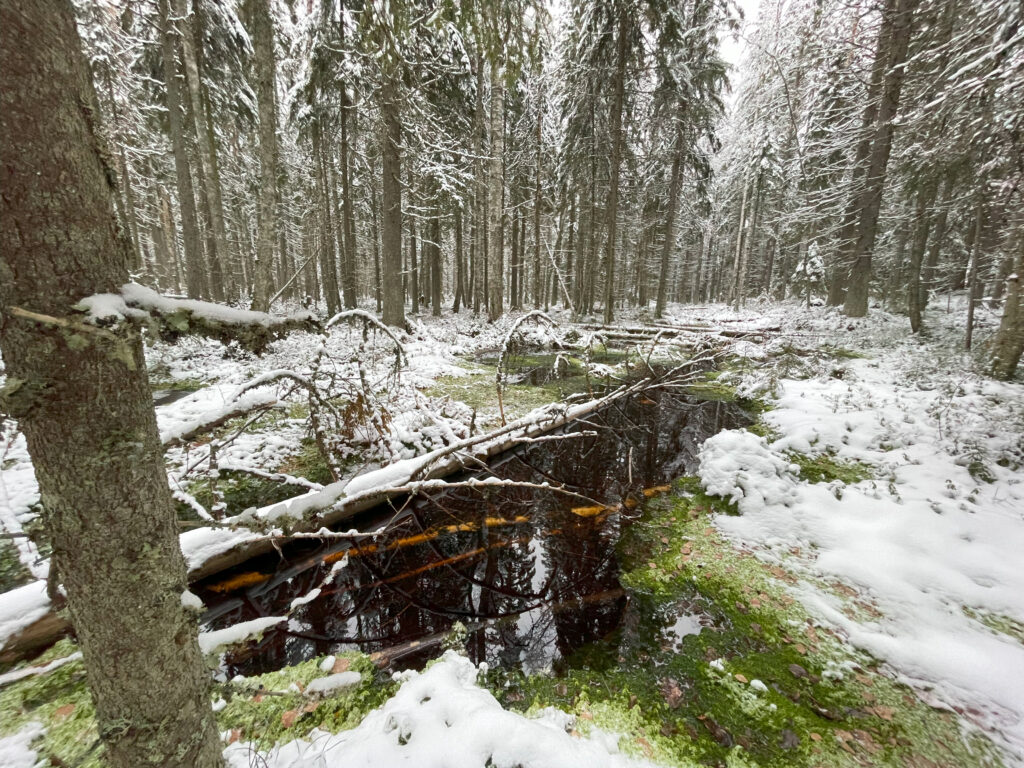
(16, 750)
(740, 466)
(442, 719)
(925, 545)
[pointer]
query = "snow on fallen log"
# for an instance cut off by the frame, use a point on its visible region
(240, 405)
(237, 541)
(209, 642)
(170, 318)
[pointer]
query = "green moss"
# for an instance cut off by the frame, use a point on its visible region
(825, 705)
(59, 700)
(825, 468)
(712, 390)
(477, 388)
(159, 381)
(980, 471)
(242, 490)
(842, 353)
(262, 718)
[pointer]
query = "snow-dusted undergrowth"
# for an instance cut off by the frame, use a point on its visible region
(443, 719)
(932, 543)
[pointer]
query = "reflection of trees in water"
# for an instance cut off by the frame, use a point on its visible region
(517, 566)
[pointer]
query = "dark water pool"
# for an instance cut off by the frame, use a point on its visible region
(531, 574)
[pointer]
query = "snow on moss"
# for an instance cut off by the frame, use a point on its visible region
(441, 717)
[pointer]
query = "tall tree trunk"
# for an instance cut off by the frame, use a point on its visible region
(537, 300)
(925, 197)
(972, 271)
(348, 262)
(479, 192)
(207, 154)
(263, 45)
(108, 512)
(893, 44)
(495, 190)
(612, 210)
(195, 276)
(514, 265)
(570, 252)
(435, 263)
(375, 238)
(391, 205)
(670, 220)
(328, 265)
(737, 269)
(414, 269)
(460, 279)
(1008, 343)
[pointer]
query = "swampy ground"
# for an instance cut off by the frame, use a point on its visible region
(651, 613)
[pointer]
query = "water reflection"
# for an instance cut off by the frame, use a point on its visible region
(531, 574)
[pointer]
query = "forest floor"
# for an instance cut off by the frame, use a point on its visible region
(838, 584)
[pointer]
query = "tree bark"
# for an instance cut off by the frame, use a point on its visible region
(348, 261)
(495, 188)
(195, 276)
(670, 220)
(107, 508)
(612, 210)
(435, 264)
(263, 45)
(207, 153)
(328, 264)
(391, 214)
(537, 299)
(925, 197)
(460, 279)
(1008, 343)
(892, 47)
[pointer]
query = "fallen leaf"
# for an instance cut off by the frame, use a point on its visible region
(883, 712)
(740, 677)
(672, 692)
(341, 665)
(815, 736)
(62, 712)
(288, 718)
(645, 745)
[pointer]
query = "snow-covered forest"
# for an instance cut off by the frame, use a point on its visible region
(522, 384)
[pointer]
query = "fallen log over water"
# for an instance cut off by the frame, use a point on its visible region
(211, 550)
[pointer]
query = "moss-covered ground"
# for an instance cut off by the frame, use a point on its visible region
(264, 709)
(534, 380)
(692, 700)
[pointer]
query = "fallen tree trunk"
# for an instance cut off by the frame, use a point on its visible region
(671, 331)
